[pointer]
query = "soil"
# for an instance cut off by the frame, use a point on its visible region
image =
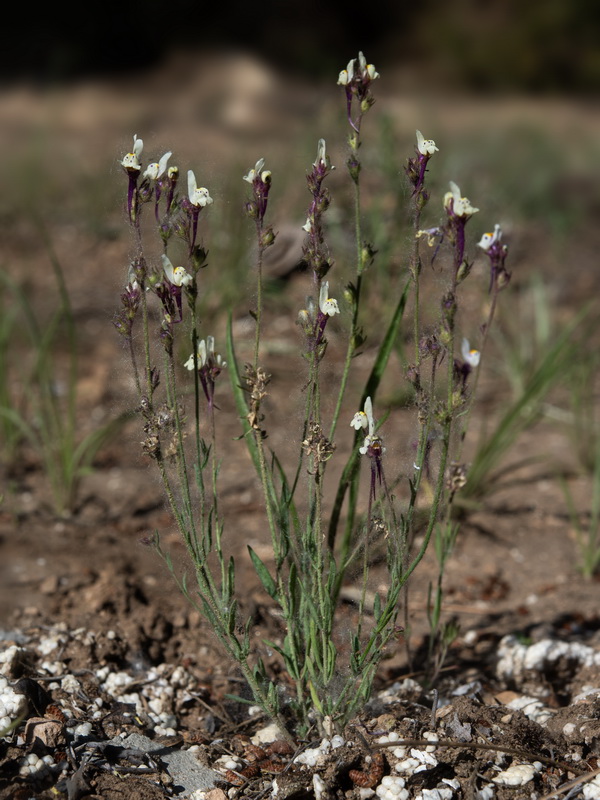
(83, 596)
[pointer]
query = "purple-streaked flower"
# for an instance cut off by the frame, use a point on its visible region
(131, 162)
(426, 147)
(198, 196)
(206, 356)
(157, 169)
(456, 205)
(327, 305)
(209, 365)
(372, 445)
(491, 244)
(260, 180)
(433, 235)
(177, 276)
(488, 240)
(366, 70)
(322, 159)
(470, 355)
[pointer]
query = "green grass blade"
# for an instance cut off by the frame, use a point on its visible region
(351, 471)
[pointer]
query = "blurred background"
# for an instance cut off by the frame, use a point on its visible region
(481, 45)
(508, 91)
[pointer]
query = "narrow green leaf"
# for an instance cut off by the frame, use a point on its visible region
(232, 617)
(264, 575)
(377, 607)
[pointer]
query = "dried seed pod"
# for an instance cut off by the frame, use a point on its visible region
(254, 753)
(272, 766)
(372, 775)
(251, 771)
(280, 747)
(234, 778)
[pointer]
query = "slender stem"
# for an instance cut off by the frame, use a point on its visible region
(181, 460)
(473, 389)
(416, 274)
(136, 372)
(354, 145)
(259, 291)
(146, 337)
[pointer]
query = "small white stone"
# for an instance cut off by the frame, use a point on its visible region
(83, 730)
(318, 786)
(267, 735)
(591, 790)
(70, 684)
(517, 775)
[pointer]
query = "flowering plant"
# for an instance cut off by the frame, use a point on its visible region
(312, 552)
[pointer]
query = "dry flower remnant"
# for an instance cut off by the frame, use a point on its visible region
(312, 548)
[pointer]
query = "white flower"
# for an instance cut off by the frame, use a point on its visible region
(368, 412)
(253, 174)
(156, 170)
(461, 206)
(206, 355)
(198, 196)
(307, 226)
(488, 239)
(359, 420)
(132, 160)
(328, 305)
(178, 276)
(471, 357)
(346, 75)
(426, 146)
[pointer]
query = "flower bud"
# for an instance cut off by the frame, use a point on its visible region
(463, 271)
(267, 238)
(353, 165)
(251, 209)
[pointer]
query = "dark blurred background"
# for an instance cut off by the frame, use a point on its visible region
(482, 45)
